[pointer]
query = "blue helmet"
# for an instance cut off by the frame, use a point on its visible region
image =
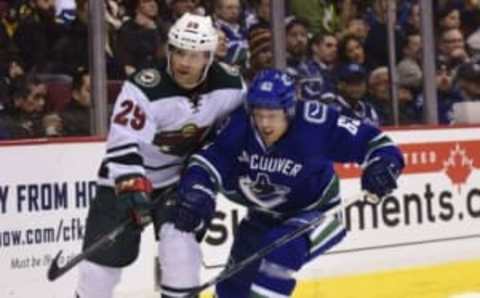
(272, 89)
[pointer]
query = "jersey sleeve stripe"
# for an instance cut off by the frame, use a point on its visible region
(380, 141)
(329, 195)
(123, 147)
(160, 168)
(127, 159)
(210, 168)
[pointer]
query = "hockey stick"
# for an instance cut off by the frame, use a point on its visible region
(55, 271)
(230, 271)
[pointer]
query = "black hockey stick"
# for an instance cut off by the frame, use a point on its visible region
(55, 271)
(237, 267)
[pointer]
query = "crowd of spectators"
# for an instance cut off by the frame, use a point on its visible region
(336, 51)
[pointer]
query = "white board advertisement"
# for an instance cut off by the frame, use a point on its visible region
(434, 216)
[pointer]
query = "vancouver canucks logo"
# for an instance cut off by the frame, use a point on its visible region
(262, 191)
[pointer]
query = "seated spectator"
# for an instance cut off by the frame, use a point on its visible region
(448, 17)
(139, 38)
(77, 113)
(297, 44)
(409, 71)
(260, 49)
(357, 27)
(259, 15)
(26, 117)
(380, 97)
(351, 50)
(176, 9)
(36, 34)
(9, 74)
(451, 48)
(350, 98)
(227, 19)
(378, 35)
(447, 96)
(468, 81)
(316, 75)
(412, 23)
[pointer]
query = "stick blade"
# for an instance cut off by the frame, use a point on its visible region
(54, 271)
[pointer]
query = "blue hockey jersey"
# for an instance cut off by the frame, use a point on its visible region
(295, 174)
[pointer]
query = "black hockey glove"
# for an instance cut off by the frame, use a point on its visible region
(379, 178)
(194, 211)
(133, 193)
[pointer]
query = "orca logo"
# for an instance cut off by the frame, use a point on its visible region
(262, 191)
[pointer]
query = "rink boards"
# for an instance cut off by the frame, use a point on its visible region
(424, 239)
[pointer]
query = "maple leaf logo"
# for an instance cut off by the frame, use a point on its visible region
(458, 166)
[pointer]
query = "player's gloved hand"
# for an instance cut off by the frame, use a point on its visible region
(194, 211)
(133, 193)
(379, 177)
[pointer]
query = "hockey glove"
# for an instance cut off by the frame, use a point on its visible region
(133, 193)
(379, 178)
(194, 211)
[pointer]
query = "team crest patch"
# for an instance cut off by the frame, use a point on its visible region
(148, 77)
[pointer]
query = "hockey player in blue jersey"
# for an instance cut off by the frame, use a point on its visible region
(275, 156)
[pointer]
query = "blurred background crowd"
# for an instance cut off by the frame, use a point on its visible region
(336, 51)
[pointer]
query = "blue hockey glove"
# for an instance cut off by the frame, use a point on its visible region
(194, 211)
(133, 193)
(379, 178)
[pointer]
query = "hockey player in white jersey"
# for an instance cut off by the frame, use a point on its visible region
(162, 114)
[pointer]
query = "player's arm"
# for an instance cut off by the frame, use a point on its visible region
(205, 174)
(353, 140)
(131, 125)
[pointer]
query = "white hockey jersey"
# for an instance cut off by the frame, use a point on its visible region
(156, 124)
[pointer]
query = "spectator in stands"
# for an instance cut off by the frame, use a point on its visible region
(260, 47)
(470, 17)
(296, 43)
(451, 48)
(378, 35)
(10, 72)
(446, 95)
(259, 15)
(448, 17)
(316, 75)
(9, 22)
(71, 50)
(379, 96)
(350, 97)
(26, 117)
(227, 19)
(77, 113)
(409, 70)
(468, 81)
(412, 23)
(140, 38)
(36, 34)
(357, 27)
(351, 50)
(177, 8)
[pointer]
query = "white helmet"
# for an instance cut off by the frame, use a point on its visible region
(193, 32)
